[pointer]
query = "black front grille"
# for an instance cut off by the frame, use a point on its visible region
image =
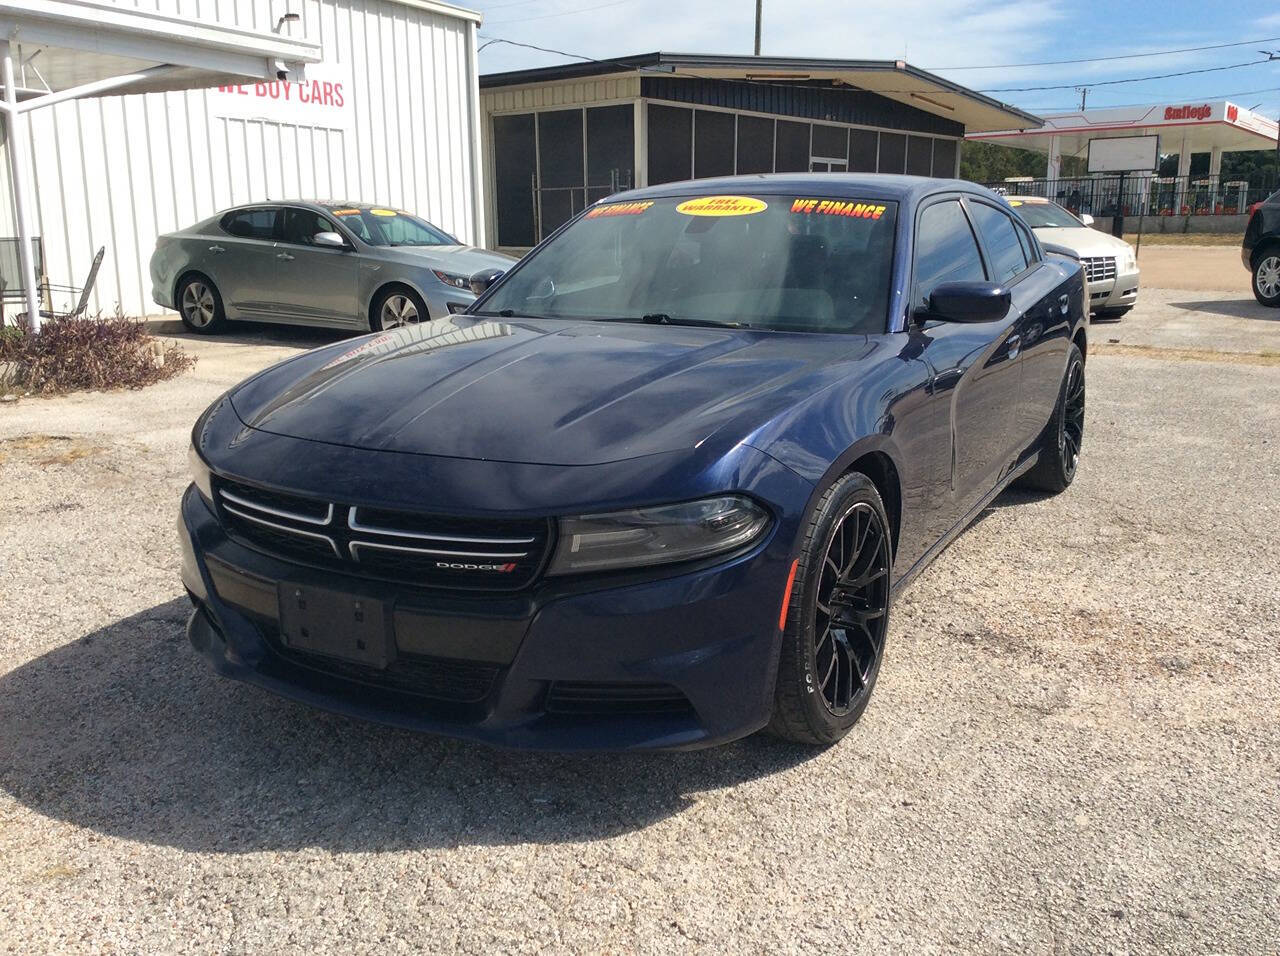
(451, 681)
(615, 699)
(422, 549)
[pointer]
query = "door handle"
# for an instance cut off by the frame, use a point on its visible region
(1064, 304)
(216, 249)
(1015, 345)
(285, 256)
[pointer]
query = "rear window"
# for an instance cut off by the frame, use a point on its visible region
(251, 223)
(792, 263)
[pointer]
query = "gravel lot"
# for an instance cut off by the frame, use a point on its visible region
(1074, 746)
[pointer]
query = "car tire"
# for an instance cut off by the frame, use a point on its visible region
(200, 304)
(395, 307)
(1266, 278)
(1063, 436)
(837, 617)
(1113, 313)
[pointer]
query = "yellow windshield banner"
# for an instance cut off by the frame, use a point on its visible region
(618, 209)
(384, 212)
(838, 207)
(722, 206)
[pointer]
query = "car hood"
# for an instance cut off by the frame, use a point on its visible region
(539, 391)
(464, 260)
(1084, 242)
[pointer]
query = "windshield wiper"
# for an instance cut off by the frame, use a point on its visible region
(662, 318)
(501, 314)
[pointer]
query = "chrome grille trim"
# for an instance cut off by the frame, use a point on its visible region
(379, 546)
(353, 522)
(282, 527)
(1099, 268)
(277, 512)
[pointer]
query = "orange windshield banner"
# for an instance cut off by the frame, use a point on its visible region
(618, 209)
(837, 207)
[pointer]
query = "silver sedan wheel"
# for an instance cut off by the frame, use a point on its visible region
(398, 310)
(1269, 276)
(197, 304)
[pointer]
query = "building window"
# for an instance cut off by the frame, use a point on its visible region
(755, 144)
(713, 140)
(919, 155)
(670, 144)
(549, 166)
(515, 161)
(944, 158)
(893, 153)
(792, 152)
(864, 145)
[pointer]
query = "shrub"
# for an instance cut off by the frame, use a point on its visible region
(90, 353)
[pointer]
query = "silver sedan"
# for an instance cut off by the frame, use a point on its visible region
(342, 265)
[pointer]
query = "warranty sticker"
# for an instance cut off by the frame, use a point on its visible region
(384, 212)
(837, 207)
(618, 209)
(722, 206)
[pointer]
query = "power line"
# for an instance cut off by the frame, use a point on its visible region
(1116, 106)
(1132, 79)
(1103, 59)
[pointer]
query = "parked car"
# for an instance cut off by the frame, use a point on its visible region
(658, 487)
(1110, 263)
(1260, 251)
(345, 265)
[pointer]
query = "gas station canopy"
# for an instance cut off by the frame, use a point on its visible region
(57, 50)
(1197, 127)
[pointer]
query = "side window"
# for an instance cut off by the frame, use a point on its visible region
(1028, 244)
(1008, 258)
(301, 225)
(946, 250)
(256, 223)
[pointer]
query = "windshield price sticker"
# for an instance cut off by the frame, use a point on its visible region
(722, 206)
(618, 209)
(836, 207)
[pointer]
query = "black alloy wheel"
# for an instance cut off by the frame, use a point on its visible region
(851, 610)
(1063, 436)
(837, 618)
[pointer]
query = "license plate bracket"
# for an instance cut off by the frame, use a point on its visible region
(336, 624)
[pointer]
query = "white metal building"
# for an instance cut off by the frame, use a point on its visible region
(390, 114)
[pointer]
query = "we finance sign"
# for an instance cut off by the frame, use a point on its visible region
(322, 98)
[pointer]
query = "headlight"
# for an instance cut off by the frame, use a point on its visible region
(1128, 261)
(455, 281)
(200, 474)
(646, 536)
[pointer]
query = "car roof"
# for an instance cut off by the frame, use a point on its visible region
(840, 185)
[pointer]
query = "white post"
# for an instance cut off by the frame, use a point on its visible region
(1054, 168)
(1182, 186)
(18, 170)
(1215, 173)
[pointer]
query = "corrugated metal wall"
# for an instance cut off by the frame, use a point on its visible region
(118, 171)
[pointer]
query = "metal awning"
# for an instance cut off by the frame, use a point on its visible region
(57, 50)
(894, 79)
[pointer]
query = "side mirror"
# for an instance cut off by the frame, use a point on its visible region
(330, 240)
(482, 280)
(969, 302)
(1086, 219)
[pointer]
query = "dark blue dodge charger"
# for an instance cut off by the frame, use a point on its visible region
(659, 486)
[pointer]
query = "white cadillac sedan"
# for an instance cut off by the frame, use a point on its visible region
(1110, 265)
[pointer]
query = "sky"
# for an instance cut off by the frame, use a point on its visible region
(944, 36)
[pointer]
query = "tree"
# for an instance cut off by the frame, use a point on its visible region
(991, 163)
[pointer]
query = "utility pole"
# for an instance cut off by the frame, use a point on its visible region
(759, 11)
(1084, 95)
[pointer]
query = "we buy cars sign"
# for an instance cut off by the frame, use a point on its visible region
(322, 98)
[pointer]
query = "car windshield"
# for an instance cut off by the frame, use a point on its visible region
(793, 263)
(389, 227)
(1042, 214)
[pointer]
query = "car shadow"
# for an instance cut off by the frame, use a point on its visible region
(126, 732)
(1235, 308)
(255, 333)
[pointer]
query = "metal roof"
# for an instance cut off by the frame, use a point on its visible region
(894, 79)
(69, 44)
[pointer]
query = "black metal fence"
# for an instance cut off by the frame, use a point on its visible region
(1148, 195)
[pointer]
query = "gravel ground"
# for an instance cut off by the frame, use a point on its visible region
(1074, 745)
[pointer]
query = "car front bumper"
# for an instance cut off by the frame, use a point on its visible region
(1118, 293)
(496, 667)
